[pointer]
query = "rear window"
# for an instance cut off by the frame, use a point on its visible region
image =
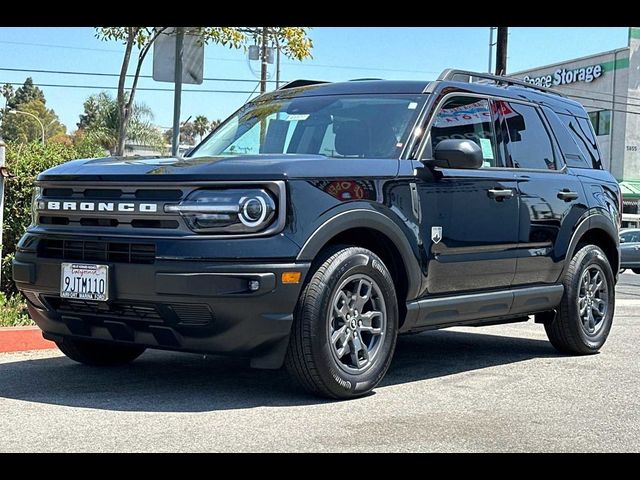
(572, 154)
(582, 132)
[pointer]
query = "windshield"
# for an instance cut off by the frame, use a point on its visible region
(340, 126)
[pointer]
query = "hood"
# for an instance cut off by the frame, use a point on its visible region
(244, 167)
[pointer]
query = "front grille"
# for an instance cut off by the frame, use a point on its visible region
(103, 213)
(84, 250)
(134, 311)
(185, 315)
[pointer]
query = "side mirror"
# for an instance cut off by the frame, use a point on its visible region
(456, 153)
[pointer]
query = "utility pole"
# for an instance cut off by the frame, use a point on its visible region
(263, 58)
(501, 51)
(177, 92)
(491, 44)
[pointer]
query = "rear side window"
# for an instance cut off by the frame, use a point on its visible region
(528, 145)
(572, 154)
(582, 132)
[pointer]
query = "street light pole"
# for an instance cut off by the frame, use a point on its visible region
(31, 115)
(263, 57)
(277, 61)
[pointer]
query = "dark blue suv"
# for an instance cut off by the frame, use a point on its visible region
(321, 220)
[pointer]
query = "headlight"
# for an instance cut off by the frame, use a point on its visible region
(227, 211)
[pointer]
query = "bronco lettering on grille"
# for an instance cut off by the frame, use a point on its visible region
(101, 206)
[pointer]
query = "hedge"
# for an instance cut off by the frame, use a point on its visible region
(24, 162)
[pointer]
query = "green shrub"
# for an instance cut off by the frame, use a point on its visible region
(25, 162)
(13, 311)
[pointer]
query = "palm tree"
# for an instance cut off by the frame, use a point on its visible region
(214, 124)
(201, 125)
(100, 123)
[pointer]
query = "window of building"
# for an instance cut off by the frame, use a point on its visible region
(529, 144)
(601, 121)
(467, 118)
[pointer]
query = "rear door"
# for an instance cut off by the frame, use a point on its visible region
(551, 198)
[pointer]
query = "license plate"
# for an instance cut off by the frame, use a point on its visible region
(85, 281)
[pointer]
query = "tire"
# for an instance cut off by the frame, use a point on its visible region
(98, 354)
(568, 333)
(312, 359)
(636, 270)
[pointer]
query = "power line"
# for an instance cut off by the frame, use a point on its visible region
(311, 65)
(614, 110)
(620, 95)
(602, 100)
(148, 89)
(104, 74)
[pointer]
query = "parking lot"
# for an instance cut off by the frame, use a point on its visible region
(499, 388)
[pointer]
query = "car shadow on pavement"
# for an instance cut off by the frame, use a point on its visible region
(178, 382)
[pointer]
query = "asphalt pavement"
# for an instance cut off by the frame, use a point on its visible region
(501, 388)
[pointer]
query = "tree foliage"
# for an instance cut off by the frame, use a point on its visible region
(23, 128)
(201, 125)
(99, 122)
(25, 162)
(25, 94)
(294, 43)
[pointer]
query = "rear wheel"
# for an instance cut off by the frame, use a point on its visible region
(98, 354)
(345, 327)
(585, 315)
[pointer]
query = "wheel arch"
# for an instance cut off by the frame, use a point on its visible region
(598, 230)
(378, 233)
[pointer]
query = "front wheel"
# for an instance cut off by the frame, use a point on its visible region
(584, 317)
(345, 326)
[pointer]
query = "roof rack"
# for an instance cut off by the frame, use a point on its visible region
(450, 74)
(301, 83)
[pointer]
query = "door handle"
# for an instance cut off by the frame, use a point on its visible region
(500, 193)
(567, 195)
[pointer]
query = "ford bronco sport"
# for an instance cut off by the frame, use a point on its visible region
(321, 220)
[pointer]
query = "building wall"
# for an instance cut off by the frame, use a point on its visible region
(632, 133)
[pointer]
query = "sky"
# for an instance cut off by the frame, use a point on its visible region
(339, 53)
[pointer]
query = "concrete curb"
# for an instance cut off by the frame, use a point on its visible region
(16, 339)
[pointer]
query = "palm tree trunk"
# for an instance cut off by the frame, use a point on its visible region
(123, 114)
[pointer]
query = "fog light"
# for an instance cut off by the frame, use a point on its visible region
(291, 277)
(254, 285)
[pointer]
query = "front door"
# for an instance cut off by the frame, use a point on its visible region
(469, 218)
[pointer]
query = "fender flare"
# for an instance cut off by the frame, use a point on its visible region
(592, 222)
(364, 218)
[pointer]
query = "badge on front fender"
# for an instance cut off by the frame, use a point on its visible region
(436, 234)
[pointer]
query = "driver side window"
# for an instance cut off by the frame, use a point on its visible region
(467, 118)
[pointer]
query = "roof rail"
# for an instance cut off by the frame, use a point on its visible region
(301, 83)
(450, 74)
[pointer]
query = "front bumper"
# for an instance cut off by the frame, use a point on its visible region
(192, 306)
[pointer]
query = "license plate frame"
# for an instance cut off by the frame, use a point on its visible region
(84, 281)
